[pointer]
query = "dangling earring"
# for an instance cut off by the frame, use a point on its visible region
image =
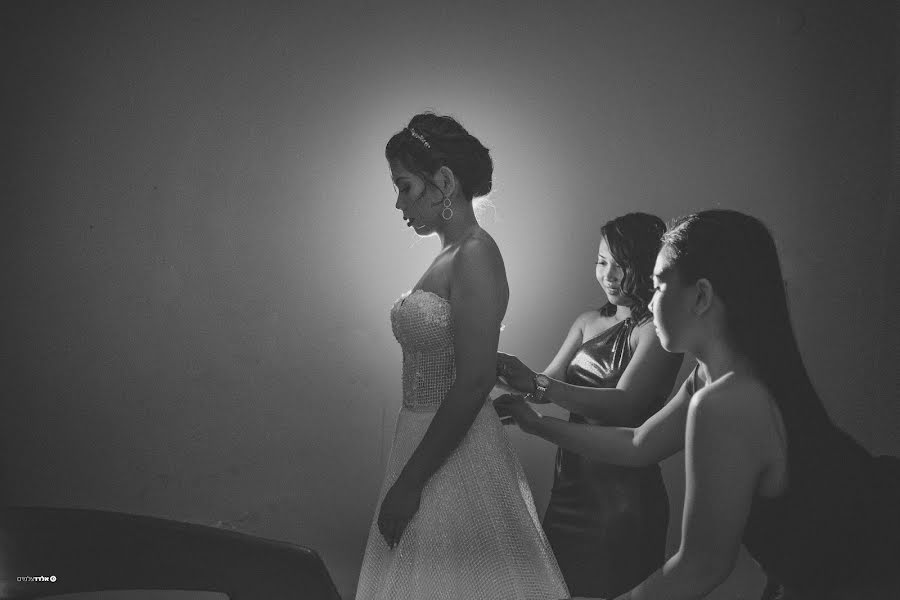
(447, 213)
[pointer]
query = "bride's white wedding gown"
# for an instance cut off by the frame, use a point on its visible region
(477, 534)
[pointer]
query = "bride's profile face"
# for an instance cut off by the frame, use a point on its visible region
(419, 202)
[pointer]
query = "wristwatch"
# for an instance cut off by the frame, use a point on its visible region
(541, 383)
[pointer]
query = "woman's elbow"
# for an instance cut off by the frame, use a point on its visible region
(642, 453)
(619, 450)
(706, 571)
(477, 384)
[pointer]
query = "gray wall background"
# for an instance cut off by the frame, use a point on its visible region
(200, 246)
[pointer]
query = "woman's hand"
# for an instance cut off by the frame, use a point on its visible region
(514, 372)
(399, 506)
(519, 410)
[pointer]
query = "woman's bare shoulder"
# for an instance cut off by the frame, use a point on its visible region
(736, 398)
(644, 331)
(477, 262)
(479, 247)
(593, 322)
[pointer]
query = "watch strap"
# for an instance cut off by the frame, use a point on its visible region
(539, 390)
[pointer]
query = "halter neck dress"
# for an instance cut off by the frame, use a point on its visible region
(606, 524)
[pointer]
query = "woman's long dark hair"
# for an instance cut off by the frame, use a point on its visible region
(634, 241)
(737, 254)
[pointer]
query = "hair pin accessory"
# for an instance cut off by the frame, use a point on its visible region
(419, 137)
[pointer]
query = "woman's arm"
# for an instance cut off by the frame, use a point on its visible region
(723, 462)
(517, 376)
(661, 436)
(645, 383)
(557, 367)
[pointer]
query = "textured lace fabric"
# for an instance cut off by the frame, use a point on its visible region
(422, 323)
(476, 534)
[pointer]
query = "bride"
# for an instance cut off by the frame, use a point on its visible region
(456, 517)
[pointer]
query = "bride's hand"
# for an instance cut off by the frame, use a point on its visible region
(399, 506)
(514, 372)
(519, 410)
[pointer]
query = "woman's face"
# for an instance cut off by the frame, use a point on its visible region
(418, 200)
(610, 276)
(670, 305)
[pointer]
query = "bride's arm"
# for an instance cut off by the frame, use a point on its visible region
(478, 296)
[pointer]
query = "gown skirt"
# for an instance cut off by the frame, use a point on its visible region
(476, 535)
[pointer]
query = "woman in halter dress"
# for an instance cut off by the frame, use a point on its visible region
(764, 464)
(606, 523)
(455, 518)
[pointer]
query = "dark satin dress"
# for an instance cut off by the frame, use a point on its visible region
(607, 524)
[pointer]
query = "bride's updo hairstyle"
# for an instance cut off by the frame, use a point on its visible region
(433, 141)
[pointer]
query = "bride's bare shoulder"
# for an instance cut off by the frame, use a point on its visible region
(479, 250)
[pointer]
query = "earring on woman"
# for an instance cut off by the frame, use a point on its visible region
(447, 209)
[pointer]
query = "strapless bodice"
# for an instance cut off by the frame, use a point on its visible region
(422, 323)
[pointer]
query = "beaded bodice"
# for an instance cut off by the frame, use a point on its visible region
(423, 325)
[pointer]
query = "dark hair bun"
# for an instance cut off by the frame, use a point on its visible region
(444, 142)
